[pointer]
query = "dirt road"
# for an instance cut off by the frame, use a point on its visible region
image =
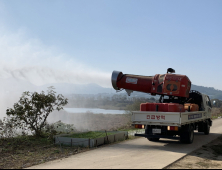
(138, 153)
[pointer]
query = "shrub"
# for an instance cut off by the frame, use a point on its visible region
(32, 109)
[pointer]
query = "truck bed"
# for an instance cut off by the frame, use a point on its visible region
(168, 118)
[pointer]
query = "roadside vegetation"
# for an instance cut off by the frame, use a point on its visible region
(217, 108)
(29, 115)
(28, 150)
(216, 113)
(25, 151)
(26, 139)
(25, 135)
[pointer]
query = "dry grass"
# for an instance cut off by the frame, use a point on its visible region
(216, 113)
(24, 152)
(30, 152)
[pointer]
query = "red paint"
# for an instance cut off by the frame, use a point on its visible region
(143, 107)
(166, 84)
(162, 107)
(163, 117)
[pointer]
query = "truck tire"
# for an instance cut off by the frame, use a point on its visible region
(153, 139)
(187, 134)
(200, 127)
(206, 128)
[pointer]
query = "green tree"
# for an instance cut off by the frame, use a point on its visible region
(32, 109)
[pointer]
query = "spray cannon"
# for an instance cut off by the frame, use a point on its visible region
(161, 84)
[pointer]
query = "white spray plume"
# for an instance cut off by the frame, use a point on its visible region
(24, 62)
(28, 59)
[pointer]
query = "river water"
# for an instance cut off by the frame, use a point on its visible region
(94, 110)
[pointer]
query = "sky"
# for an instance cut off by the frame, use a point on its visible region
(83, 41)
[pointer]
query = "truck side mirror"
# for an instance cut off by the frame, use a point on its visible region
(214, 103)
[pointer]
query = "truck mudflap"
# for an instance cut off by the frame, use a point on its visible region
(157, 136)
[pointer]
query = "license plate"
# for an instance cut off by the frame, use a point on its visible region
(157, 131)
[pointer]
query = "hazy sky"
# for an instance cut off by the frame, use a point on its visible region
(82, 41)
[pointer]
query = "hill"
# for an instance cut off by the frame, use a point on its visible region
(210, 91)
(14, 86)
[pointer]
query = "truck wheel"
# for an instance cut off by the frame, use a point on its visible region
(153, 139)
(206, 128)
(201, 127)
(187, 135)
(191, 135)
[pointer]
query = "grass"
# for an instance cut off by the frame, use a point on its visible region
(127, 128)
(25, 151)
(216, 116)
(91, 135)
(216, 112)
